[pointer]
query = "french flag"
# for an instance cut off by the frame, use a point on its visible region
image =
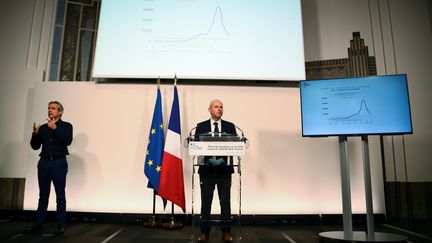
(171, 184)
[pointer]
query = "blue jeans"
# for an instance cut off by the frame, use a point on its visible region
(55, 171)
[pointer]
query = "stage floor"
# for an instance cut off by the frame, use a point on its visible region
(11, 231)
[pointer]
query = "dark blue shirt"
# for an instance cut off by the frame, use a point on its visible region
(54, 142)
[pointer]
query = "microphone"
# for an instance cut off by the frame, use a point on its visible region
(243, 138)
(190, 138)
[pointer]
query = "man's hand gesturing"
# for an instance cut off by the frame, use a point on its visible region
(52, 123)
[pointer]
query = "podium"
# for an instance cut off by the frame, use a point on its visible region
(216, 145)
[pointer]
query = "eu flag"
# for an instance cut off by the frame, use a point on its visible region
(155, 147)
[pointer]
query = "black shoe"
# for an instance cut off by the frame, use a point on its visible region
(203, 238)
(33, 229)
(226, 237)
(60, 230)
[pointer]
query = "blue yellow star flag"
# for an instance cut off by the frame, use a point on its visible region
(155, 146)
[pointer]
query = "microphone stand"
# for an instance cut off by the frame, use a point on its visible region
(243, 138)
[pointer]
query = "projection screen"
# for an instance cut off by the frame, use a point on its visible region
(225, 39)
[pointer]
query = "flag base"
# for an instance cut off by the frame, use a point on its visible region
(151, 223)
(172, 225)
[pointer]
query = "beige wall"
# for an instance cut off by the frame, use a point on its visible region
(25, 27)
(283, 172)
(411, 22)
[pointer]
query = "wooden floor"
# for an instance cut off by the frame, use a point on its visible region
(12, 231)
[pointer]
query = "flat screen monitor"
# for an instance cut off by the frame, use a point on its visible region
(356, 106)
(200, 40)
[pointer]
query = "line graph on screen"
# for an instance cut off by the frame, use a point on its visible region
(361, 114)
(217, 30)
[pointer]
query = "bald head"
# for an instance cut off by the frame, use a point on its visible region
(215, 100)
(216, 109)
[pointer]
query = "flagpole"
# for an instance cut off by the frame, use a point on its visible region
(172, 225)
(154, 152)
(167, 174)
(152, 223)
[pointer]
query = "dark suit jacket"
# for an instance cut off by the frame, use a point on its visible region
(209, 170)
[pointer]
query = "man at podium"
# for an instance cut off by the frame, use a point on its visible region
(215, 172)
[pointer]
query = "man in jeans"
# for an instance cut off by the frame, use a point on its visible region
(54, 137)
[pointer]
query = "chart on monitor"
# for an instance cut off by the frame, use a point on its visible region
(356, 106)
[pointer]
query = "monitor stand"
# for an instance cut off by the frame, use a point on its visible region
(348, 234)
